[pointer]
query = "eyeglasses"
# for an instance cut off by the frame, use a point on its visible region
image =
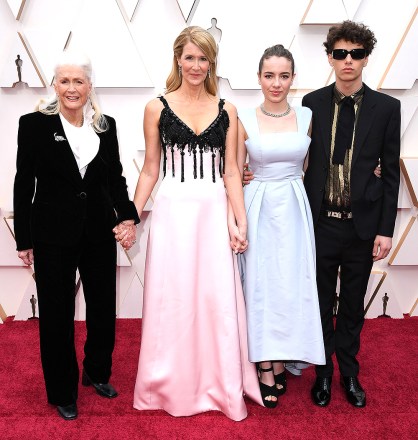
(356, 54)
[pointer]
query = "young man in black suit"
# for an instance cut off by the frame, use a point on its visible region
(353, 130)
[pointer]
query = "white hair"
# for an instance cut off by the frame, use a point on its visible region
(51, 106)
(74, 58)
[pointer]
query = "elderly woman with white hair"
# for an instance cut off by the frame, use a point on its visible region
(69, 194)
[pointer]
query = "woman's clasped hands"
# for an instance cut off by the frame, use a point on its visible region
(238, 238)
(125, 233)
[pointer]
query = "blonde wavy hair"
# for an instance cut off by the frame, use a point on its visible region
(207, 44)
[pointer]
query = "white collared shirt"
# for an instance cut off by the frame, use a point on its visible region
(83, 141)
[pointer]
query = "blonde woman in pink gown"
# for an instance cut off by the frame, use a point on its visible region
(193, 355)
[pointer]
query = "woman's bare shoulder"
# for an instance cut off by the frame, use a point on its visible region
(230, 108)
(154, 106)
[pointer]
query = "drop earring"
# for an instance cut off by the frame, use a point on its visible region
(209, 72)
(179, 71)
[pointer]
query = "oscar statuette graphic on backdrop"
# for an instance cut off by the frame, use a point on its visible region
(33, 302)
(19, 67)
(385, 300)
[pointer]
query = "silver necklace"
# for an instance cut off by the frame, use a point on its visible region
(275, 115)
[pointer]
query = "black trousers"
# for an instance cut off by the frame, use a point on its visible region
(55, 274)
(339, 247)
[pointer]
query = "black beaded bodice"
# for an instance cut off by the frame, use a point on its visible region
(174, 133)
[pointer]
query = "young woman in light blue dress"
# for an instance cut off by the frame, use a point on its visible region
(278, 269)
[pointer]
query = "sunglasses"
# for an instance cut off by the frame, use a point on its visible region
(356, 54)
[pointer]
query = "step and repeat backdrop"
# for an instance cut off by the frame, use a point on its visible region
(130, 44)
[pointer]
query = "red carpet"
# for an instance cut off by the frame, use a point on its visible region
(389, 374)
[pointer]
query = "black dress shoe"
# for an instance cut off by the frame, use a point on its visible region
(103, 389)
(68, 412)
(353, 391)
(321, 391)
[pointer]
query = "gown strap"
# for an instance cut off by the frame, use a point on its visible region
(248, 118)
(163, 100)
(304, 117)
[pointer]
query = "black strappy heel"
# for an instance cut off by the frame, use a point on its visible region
(267, 390)
(280, 379)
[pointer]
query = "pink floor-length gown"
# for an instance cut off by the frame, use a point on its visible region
(194, 355)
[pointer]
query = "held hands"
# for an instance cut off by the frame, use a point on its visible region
(381, 248)
(238, 238)
(125, 233)
(26, 256)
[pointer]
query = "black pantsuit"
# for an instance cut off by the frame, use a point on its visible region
(55, 269)
(67, 220)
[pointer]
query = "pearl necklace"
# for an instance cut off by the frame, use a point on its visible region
(275, 115)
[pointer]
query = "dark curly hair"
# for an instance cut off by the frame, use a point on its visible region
(277, 50)
(350, 31)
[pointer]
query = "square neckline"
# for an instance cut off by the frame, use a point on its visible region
(260, 133)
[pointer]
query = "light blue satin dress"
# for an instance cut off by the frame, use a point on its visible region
(278, 269)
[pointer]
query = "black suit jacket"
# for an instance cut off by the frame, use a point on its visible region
(52, 202)
(373, 200)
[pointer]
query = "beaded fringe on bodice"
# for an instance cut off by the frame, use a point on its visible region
(174, 133)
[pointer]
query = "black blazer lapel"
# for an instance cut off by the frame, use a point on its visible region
(364, 121)
(66, 162)
(324, 118)
(92, 167)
